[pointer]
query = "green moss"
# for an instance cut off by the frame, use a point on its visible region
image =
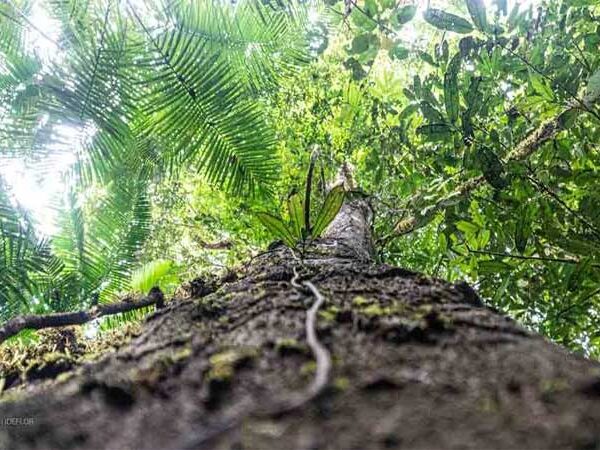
(223, 320)
(552, 385)
(224, 364)
(289, 346)
(341, 383)
(182, 354)
(12, 395)
(329, 314)
(65, 376)
(359, 300)
(376, 310)
(55, 357)
(309, 368)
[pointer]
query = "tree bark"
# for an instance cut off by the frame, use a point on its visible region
(416, 363)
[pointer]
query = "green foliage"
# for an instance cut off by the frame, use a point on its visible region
(297, 230)
(331, 206)
(151, 89)
(159, 272)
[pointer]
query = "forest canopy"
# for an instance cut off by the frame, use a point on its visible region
(141, 140)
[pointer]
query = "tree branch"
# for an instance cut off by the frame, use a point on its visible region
(37, 322)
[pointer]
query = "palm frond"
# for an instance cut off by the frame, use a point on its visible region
(24, 258)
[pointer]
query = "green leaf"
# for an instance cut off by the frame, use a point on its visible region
(592, 91)
(361, 43)
(430, 113)
(277, 227)
(362, 21)
(577, 274)
(451, 95)
(358, 72)
(474, 98)
(398, 52)
(522, 232)
(365, 46)
(447, 21)
(386, 4)
(478, 13)
(541, 86)
(154, 273)
(296, 212)
(427, 58)
(331, 206)
(493, 266)
(467, 227)
(405, 14)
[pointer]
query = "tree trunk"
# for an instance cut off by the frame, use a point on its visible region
(415, 363)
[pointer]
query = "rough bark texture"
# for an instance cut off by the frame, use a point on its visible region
(417, 363)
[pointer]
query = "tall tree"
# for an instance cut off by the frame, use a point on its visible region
(323, 349)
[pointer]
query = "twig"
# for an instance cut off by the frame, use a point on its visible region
(375, 21)
(537, 183)
(585, 302)
(37, 322)
(527, 258)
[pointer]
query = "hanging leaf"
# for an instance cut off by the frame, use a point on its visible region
(447, 21)
(467, 129)
(451, 97)
(408, 111)
(522, 232)
(474, 98)
(427, 58)
(331, 207)
(466, 44)
(478, 13)
(277, 228)
(295, 212)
